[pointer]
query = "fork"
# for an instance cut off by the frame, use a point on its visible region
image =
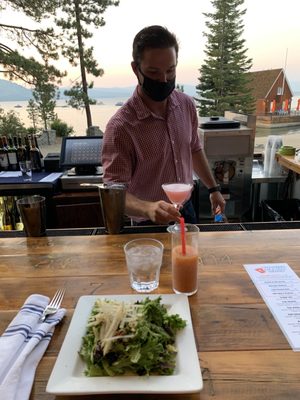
(54, 304)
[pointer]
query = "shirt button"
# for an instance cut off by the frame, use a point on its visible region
(173, 141)
(176, 161)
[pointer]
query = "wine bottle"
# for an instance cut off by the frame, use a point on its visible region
(16, 218)
(12, 155)
(7, 218)
(4, 161)
(27, 148)
(35, 157)
(37, 146)
(21, 150)
(4, 139)
(1, 213)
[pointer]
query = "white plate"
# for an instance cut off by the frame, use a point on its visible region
(68, 377)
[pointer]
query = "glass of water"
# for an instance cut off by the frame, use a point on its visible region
(25, 168)
(143, 259)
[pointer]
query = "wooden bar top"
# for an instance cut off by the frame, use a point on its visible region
(242, 351)
(289, 162)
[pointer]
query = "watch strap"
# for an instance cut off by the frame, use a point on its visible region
(214, 189)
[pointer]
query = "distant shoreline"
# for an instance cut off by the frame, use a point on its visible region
(9, 91)
(102, 97)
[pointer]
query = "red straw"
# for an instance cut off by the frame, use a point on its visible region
(182, 230)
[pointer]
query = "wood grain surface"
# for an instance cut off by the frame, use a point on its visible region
(289, 162)
(242, 352)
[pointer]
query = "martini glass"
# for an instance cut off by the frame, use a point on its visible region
(178, 193)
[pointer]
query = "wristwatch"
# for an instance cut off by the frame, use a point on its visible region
(214, 189)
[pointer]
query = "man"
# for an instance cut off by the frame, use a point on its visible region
(153, 139)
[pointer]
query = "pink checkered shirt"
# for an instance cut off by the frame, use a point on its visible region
(145, 150)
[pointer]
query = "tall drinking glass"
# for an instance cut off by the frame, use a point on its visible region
(26, 169)
(185, 259)
(33, 214)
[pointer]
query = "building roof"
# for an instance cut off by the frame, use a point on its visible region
(261, 82)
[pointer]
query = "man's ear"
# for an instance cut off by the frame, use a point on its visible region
(134, 67)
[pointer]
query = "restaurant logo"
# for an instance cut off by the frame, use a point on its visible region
(260, 270)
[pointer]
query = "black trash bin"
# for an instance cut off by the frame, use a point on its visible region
(281, 210)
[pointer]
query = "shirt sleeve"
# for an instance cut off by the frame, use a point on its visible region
(117, 154)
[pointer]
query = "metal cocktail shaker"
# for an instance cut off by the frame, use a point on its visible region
(112, 200)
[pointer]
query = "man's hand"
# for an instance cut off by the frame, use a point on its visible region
(161, 212)
(217, 200)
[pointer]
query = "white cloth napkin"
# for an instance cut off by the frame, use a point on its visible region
(22, 346)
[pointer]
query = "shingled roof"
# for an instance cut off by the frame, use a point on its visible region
(262, 81)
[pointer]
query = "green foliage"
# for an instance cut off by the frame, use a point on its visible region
(17, 66)
(78, 98)
(43, 40)
(33, 114)
(45, 95)
(34, 9)
(62, 129)
(31, 130)
(10, 124)
(148, 346)
(76, 20)
(223, 80)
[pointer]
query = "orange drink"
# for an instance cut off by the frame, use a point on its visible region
(184, 258)
(184, 270)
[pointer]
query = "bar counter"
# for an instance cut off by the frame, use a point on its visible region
(242, 351)
(289, 162)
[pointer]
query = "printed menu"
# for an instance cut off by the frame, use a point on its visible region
(279, 286)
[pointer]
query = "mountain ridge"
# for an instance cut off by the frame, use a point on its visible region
(10, 91)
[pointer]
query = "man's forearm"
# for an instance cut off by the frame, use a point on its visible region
(135, 206)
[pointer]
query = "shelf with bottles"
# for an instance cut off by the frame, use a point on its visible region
(14, 149)
(10, 218)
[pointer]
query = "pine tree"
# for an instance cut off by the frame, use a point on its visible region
(79, 16)
(45, 95)
(223, 80)
(33, 114)
(14, 63)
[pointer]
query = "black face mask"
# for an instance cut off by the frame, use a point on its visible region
(157, 91)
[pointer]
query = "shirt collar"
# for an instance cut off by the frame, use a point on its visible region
(143, 112)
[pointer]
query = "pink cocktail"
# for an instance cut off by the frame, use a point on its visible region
(177, 193)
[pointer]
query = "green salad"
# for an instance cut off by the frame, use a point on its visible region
(125, 338)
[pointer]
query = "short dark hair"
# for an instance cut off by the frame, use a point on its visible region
(153, 37)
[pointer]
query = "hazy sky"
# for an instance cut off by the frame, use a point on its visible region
(271, 30)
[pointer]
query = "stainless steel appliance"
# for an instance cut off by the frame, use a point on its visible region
(112, 200)
(71, 181)
(229, 151)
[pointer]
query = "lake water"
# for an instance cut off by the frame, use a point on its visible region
(106, 108)
(101, 113)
